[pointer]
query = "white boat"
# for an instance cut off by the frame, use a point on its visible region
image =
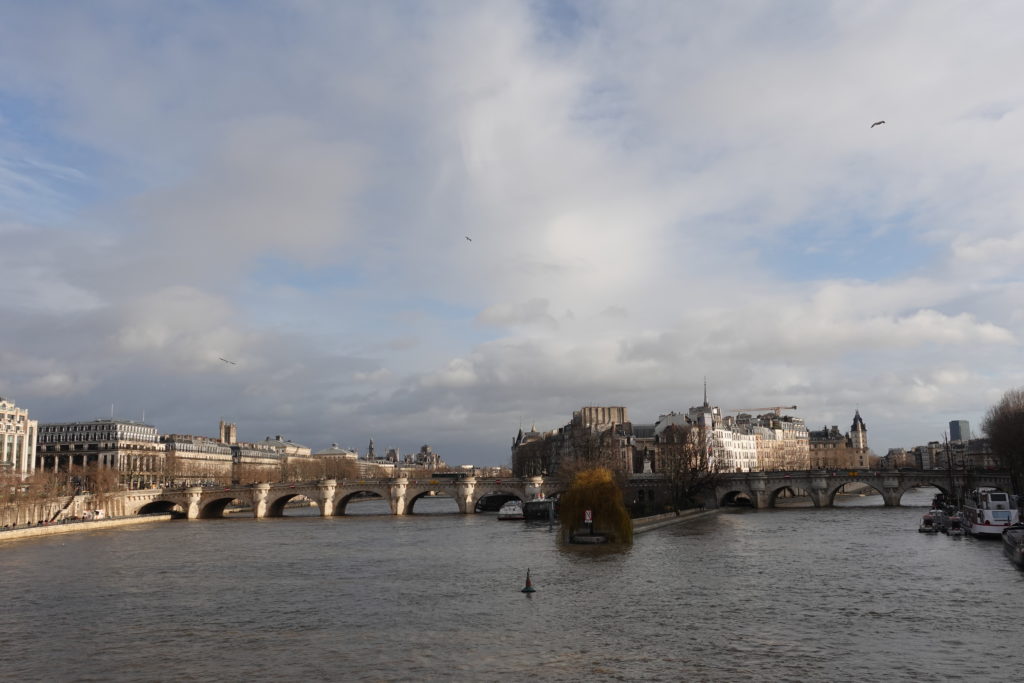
(928, 525)
(511, 510)
(987, 512)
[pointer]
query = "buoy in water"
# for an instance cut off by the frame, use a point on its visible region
(528, 588)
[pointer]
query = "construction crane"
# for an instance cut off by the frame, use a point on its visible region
(775, 409)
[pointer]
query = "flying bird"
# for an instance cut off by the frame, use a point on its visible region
(877, 123)
(467, 239)
(228, 361)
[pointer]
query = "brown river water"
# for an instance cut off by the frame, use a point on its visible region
(850, 593)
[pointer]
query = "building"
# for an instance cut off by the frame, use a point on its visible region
(959, 431)
(287, 447)
(831, 449)
(18, 436)
(196, 459)
(132, 448)
(604, 433)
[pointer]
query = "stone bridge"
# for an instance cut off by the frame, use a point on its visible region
(330, 496)
(821, 486)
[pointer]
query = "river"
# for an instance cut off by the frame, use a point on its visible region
(848, 593)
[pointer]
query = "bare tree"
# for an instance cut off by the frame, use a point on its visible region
(101, 482)
(686, 461)
(340, 468)
(1004, 425)
(588, 449)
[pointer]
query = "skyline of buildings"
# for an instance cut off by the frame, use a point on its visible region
(739, 442)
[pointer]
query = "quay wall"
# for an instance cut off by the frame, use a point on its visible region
(50, 529)
(642, 524)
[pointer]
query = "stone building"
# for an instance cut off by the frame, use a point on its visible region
(132, 448)
(196, 459)
(18, 436)
(831, 449)
(741, 443)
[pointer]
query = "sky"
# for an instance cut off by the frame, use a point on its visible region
(433, 223)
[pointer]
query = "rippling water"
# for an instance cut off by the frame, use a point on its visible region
(841, 594)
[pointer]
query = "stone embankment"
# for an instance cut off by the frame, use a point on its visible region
(69, 527)
(642, 524)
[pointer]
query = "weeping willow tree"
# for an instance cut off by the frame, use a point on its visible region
(595, 490)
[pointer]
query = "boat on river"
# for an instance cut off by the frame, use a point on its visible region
(928, 525)
(513, 509)
(956, 525)
(987, 512)
(1013, 543)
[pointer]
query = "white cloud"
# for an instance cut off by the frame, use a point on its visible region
(650, 195)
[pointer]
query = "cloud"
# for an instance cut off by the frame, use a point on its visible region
(655, 195)
(532, 312)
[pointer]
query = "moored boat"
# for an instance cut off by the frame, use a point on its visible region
(927, 525)
(956, 525)
(513, 509)
(1013, 543)
(987, 512)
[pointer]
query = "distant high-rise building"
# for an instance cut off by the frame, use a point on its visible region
(960, 431)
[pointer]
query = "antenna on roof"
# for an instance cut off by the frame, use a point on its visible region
(111, 411)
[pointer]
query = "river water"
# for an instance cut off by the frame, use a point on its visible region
(849, 593)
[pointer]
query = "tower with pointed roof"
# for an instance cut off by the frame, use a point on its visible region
(858, 433)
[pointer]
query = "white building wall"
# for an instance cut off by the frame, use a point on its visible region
(18, 436)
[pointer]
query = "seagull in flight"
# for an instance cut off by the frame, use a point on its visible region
(231, 362)
(468, 239)
(877, 123)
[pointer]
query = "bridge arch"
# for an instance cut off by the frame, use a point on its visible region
(836, 487)
(275, 507)
(161, 506)
(943, 487)
(737, 498)
(414, 495)
(342, 499)
(774, 493)
(213, 508)
(483, 491)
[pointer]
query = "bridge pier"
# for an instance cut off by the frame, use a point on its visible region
(464, 495)
(397, 499)
(325, 489)
(259, 500)
(757, 490)
(818, 492)
(192, 496)
(891, 491)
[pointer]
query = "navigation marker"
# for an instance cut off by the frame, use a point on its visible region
(528, 588)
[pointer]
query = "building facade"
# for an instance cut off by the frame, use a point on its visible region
(737, 444)
(132, 448)
(190, 460)
(831, 449)
(18, 436)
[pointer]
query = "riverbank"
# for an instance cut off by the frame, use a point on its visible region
(69, 527)
(643, 524)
